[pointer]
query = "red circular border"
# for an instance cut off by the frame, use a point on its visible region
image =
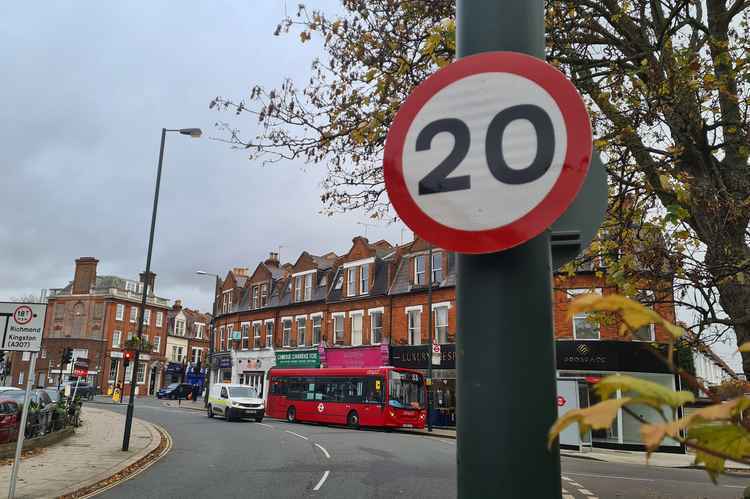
(574, 170)
(31, 314)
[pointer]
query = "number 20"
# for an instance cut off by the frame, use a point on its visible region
(438, 181)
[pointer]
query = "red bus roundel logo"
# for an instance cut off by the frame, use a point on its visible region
(321, 407)
(23, 315)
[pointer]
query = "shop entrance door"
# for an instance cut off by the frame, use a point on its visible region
(589, 397)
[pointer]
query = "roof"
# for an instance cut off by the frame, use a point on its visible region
(402, 279)
(706, 350)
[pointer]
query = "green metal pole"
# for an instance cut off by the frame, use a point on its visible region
(505, 346)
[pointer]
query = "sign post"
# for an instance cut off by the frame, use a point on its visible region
(22, 327)
(483, 158)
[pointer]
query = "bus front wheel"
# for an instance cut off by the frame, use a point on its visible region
(291, 414)
(353, 420)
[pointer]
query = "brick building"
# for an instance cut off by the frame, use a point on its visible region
(369, 306)
(187, 345)
(95, 315)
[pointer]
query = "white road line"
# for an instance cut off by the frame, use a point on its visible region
(324, 451)
(612, 476)
(585, 492)
(322, 480)
(266, 425)
(575, 484)
(568, 496)
(565, 478)
(297, 435)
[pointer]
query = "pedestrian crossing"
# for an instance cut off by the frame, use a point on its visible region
(574, 490)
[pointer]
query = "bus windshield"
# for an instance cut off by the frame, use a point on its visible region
(406, 390)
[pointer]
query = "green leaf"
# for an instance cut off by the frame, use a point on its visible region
(598, 416)
(645, 389)
(731, 440)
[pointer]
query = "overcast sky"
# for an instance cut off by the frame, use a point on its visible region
(87, 87)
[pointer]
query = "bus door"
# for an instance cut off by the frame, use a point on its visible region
(372, 389)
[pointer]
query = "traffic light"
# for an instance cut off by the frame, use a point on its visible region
(127, 357)
(67, 356)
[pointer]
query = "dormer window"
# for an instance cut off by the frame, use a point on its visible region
(351, 281)
(436, 267)
(340, 281)
(419, 273)
(179, 328)
(254, 292)
(263, 295)
(298, 288)
(308, 287)
(364, 279)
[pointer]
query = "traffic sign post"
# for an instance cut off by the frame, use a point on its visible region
(22, 325)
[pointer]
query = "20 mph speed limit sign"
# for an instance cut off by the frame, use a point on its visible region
(488, 152)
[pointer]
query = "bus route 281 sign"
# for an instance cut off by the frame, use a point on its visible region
(22, 325)
(488, 152)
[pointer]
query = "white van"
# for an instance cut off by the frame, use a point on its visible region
(235, 402)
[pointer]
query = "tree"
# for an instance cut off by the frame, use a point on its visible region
(667, 87)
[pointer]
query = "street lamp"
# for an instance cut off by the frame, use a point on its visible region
(195, 133)
(209, 363)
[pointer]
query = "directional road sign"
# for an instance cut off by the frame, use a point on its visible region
(488, 152)
(21, 325)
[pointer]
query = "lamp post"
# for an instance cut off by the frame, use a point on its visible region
(210, 359)
(195, 133)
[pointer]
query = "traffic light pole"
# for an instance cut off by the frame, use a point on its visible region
(504, 304)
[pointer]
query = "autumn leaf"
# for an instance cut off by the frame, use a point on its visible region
(634, 314)
(655, 393)
(598, 416)
(745, 347)
(730, 440)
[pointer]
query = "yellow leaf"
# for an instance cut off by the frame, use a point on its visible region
(745, 347)
(598, 416)
(728, 439)
(653, 393)
(634, 314)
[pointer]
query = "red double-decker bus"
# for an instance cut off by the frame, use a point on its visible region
(377, 397)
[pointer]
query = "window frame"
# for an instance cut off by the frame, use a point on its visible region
(319, 320)
(133, 314)
(420, 281)
(572, 293)
(357, 316)
(364, 279)
(119, 311)
(439, 256)
(437, 326)
(156, 344)
(245, 342)
(301, 334)
(373, 329)
(146, 316)
(307, 293)
(269, 333)
(159, 321)
(286, 332)
(118, 334)
(256, 335)
(336, 318)
(414, 326)
(263, 294)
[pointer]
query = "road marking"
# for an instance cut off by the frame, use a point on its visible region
(266, 425)
(324, 451)
(568, 496)
(297, 435)
(585, 492)
(565, 478)
(576, 484)
(322, 480)
(612, 476)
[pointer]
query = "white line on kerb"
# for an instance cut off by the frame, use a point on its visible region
(297, 434)
(266, 425)
(322, 480)
(324, 451)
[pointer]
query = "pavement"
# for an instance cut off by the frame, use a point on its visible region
(92, 454)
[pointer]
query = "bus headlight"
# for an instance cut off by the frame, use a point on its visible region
(393, 414)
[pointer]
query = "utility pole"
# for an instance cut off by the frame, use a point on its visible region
(504, 304)
(430, 390)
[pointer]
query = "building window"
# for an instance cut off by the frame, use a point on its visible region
(351, 281)
(441, 325)
(298, 288)
(301, 331)
(339, 281)
(131, 286)
(159, 319)
(20, 378)
(177, 353)
(647, 332)
(179, 327)
(308, 287)
(157, 343)
(269, 334)
(130, 335)
(356, 329)
(286, 325)
(141, 373)
(583, 327)
(376, 327)
(338, 328)
(116, 338)
(316, 326)
(415, 329)
(254, 292)
(364, 279)
(256, 335)
(230, 335)
(263, 295)
(419, 270)
(245, 336)
(221, 339)
(146, 316)
(195, 354)
(199, 331)
(120, 312)
(114, 365)
(133, 314)
(436, 267)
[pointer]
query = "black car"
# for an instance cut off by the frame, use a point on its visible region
(84, 390)
(175, 391)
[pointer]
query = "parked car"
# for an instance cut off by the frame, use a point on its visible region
(41, 410)
(84, 390)
(235, 402)
(175, 391)
(10, 420)
(53, 393)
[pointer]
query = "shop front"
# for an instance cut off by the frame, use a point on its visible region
(586, 362)
(173, 372)
(222, 365)
(443, 388)
(362, 356)
(252, 367)
(297, 358)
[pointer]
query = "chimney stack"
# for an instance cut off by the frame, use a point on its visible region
(272, 260)
(85, 275)
(240, 271)
(177, 305)
(151, 281)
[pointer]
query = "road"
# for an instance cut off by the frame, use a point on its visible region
(214, 458)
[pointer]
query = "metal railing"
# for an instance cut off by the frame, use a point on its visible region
(120, 293)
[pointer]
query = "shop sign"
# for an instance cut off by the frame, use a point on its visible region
(174, 368)
(419, 356)
(374, 356)
(631, 356)
(225, 362)
(298, 358)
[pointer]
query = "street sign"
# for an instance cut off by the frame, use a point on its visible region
(22, 325)
(81, 368)
(436, 354)
(560, 401)
(488, 152)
